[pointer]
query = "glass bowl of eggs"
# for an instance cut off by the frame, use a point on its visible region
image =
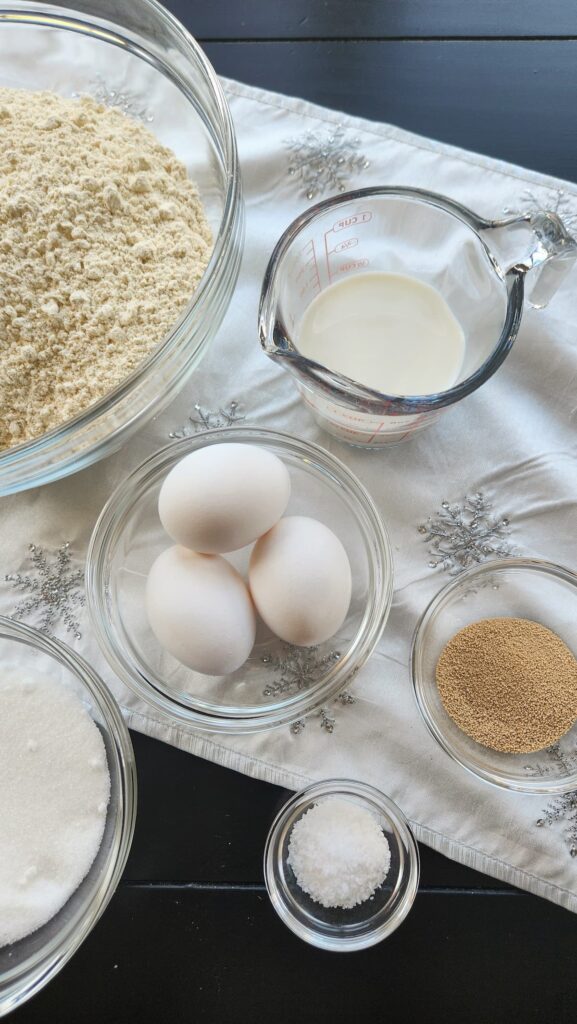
(239, 579)
(341, 865)
(68, 806)
(495, 677)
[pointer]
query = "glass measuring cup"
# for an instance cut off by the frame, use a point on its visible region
(473, 262)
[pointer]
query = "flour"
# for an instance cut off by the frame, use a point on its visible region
(53, 799)
(103, 240)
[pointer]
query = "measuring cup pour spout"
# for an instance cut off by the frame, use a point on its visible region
(472, 261)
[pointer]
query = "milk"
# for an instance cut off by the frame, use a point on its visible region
(390, 332)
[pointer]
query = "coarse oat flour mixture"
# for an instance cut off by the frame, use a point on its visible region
(103, 240)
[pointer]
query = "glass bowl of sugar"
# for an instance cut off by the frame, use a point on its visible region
(526, 591)
(341, 865)
(66, 707)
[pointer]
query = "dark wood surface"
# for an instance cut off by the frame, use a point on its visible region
(511, 100)
(377, 19)
(190, 935)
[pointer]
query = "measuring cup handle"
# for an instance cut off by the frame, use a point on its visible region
(551, 257)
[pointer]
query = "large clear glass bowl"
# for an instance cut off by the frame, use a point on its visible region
(279, 684)
(136, 56)
(26, 966)
(332, 928)
(521, 588)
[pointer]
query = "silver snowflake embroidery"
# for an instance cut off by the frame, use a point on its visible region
(323, 161)
(563, 203)
(556, 759)
(53, 589)
(562, 809)
(295, 670)
(463, 534)
(327, 721)
(129, 103)
(209, 419)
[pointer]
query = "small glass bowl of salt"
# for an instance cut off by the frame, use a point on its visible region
(341, 865)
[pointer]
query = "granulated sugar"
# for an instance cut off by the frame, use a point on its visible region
(339, 853)
(103, 240)
(53, 799)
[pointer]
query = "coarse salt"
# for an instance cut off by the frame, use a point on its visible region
(339, 853)
(53, 798)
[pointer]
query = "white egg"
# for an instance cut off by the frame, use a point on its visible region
(300, 580)
(223, 496)
(200, 610)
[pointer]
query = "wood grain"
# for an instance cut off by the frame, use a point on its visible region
(511, 100)
(376, 19)
(174, 956)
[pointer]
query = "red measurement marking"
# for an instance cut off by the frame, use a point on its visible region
(352, 265)
(416, 421)
(348, 243)
(352, 221)
(327, 260)
(309, 269)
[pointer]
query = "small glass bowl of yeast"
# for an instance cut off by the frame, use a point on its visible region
(29, 964)
(331, 928)
(279, 683)
(520, 588)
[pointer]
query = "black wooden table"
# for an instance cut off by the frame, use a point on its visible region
(190, 935)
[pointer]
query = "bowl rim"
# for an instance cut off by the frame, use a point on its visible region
(281, 899)
(299, 705)
(530, 785)
(204, 299)
(22, 981)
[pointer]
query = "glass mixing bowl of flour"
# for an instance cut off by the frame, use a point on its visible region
(29, 964)
(279, 684)
(136, 57)
(438, 270)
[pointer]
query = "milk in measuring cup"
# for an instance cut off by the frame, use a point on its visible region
(390, 332)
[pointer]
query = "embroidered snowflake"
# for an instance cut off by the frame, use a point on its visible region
(298, 668)
(562, 808)
(52, 588)
(560, 202)
(327, 721)
(556, 759)
(207, 419)
(127, 102)
(322, 161)
(463, 534)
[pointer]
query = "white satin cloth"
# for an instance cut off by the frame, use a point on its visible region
(514, 440)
